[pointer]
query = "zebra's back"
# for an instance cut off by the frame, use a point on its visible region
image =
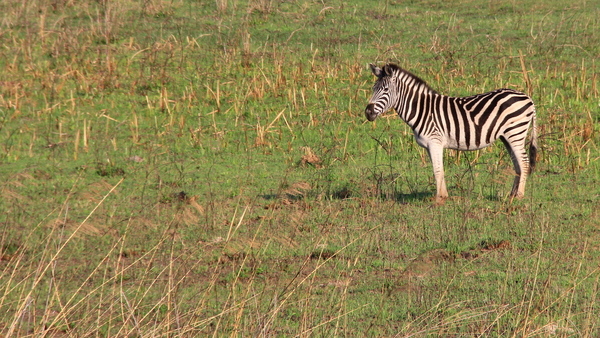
(475, 122)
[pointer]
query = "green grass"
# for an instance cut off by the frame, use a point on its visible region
(184, 168)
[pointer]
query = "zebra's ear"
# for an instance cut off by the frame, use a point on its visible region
(387, 70)
(376, 70)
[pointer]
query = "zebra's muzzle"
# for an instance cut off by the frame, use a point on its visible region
(370, 112)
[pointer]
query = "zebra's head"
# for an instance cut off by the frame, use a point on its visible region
(383, 90)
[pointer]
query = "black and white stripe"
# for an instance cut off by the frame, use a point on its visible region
(461, 123)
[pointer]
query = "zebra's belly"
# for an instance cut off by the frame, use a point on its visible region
(426, 141)
(453, 144)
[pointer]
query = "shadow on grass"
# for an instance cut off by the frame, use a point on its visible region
(420, 196)
(429, 196)
(493, 198)
(269, 197)
(398, 197)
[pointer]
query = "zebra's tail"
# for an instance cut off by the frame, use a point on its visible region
(533, 145)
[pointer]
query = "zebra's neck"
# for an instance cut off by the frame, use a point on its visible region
(414, 98)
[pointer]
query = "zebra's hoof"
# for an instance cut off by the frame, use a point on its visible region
(515, 197)
(440, 200)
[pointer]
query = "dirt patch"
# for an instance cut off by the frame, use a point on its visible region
(310, 158)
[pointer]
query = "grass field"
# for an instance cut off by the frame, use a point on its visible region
(204, 168)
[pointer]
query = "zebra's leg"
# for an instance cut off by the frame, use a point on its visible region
(521, 164)
(436, 155)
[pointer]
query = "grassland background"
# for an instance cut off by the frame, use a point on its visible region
(194, 168)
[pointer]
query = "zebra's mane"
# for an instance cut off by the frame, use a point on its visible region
(417, 80)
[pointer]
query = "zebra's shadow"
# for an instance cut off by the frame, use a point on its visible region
(428, 196)
(403, 197)
(412, 197)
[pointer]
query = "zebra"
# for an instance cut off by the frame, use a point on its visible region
(462, 123)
